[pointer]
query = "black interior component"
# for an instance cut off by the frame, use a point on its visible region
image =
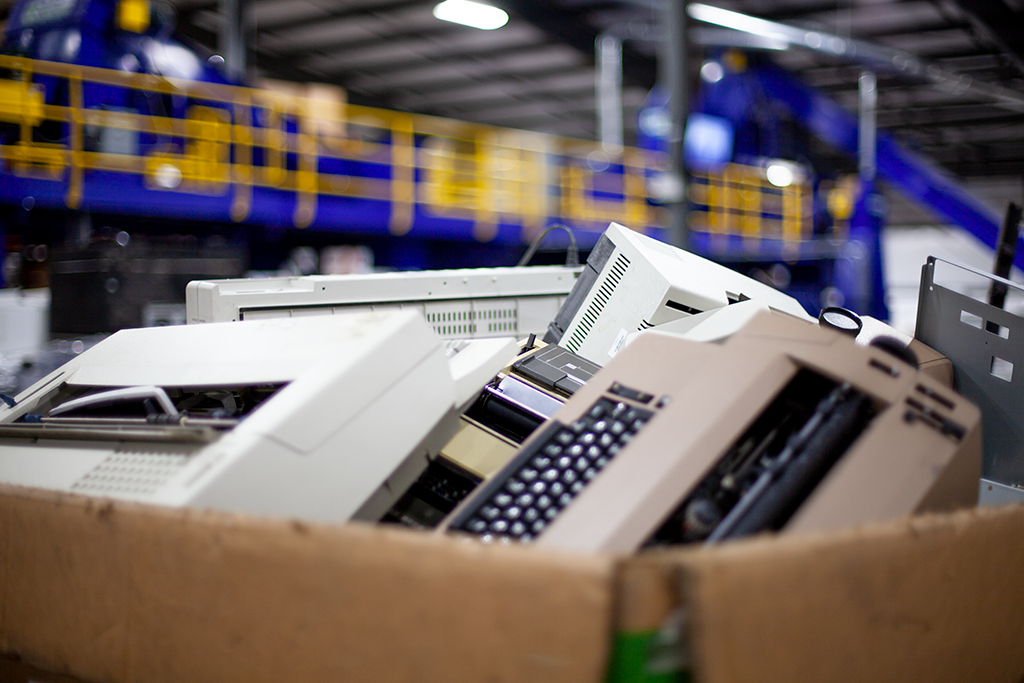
(771, 468)
(439, 489)
(504, 417)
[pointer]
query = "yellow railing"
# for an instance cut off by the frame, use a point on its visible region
(230, 140)
(739, 201)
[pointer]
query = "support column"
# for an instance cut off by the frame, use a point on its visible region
(672, 73)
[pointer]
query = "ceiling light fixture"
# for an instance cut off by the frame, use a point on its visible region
(470, 13)
(735, 21)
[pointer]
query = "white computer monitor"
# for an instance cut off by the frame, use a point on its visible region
(633, 282)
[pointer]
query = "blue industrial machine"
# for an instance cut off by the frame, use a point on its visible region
(107, 119)
(815, 221)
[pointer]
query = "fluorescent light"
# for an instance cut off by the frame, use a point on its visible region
(470, 13)
(735, 21)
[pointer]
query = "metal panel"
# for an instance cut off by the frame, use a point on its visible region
(958, 326)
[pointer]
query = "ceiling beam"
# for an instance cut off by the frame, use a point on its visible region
(1004, 23)
(572, 29)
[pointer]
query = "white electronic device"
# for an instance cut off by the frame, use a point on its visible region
(464, 303)
(326, 418)
(633, 282)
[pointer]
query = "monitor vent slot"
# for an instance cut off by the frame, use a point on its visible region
(601, 298)
(133, 472)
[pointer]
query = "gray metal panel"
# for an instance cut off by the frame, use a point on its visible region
(971, 350)
(993, 493)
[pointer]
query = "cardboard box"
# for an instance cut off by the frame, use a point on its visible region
(118, 592)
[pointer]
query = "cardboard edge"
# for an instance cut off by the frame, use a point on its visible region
(116, 591)
(934, 597)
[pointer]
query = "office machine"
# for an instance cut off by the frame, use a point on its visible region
(528, 391)
(632, 282)
(327, 418)
(458, 303)
(785, 426)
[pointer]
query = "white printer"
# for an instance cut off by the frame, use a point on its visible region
(326, 418)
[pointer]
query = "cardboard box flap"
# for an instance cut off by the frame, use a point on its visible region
(122, 592)
(934, 598)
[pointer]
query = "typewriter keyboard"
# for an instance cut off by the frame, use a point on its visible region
(543, 478)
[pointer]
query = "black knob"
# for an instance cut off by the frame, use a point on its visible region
(840, 319)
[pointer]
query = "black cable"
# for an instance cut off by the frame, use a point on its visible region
(572, 253)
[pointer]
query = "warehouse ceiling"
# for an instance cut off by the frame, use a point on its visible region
(537, 72)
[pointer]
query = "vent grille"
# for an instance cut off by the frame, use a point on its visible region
(474, 320)
(133, 472)
(601, 298)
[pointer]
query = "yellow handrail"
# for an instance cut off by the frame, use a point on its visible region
(229, 139)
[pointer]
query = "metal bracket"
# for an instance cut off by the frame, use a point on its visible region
(986, 346)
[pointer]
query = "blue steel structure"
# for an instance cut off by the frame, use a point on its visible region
(109, 116)
(755, 103)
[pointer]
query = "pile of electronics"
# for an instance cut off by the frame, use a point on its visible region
(650, 397)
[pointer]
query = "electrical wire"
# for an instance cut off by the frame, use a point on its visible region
(572, 252)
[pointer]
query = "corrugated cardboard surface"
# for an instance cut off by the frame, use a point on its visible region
(121, 592)
(934, 598)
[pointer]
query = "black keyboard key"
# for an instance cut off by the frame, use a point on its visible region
(503, 500)
(515, 487)
(513, 512)
(517, 529)
(529, 474)
(499, 526)
(490, 512)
